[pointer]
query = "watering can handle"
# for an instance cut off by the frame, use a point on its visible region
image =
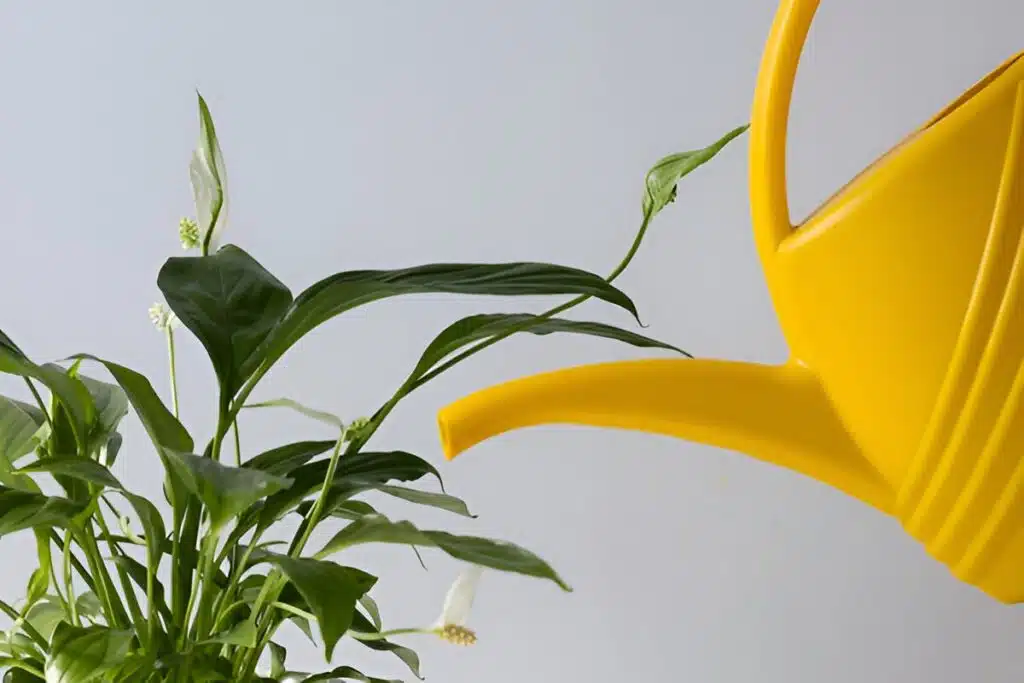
(768, 122)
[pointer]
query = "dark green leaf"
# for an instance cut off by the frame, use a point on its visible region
(16, 675)
(82, 655)
(230, 302)
(346, 673)
(76, 468)
(355, 472)
(343, 509)
(344, 291)
(660, 183)
(225, 491)
(330, 590)
(153, 524)
(284, 459)
(407, 655)
(478, 327)
(209, 179)
(71, 392)
(110, 449)
(485, 552)
(25, 510)
(438, 500)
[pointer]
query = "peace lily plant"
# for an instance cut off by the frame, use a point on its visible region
(191, 590)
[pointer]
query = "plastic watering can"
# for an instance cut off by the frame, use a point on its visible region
(901, 300)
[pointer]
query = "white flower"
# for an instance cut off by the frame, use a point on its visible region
(450, 625)
(163, 317)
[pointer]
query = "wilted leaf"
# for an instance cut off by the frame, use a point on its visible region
(485, 552)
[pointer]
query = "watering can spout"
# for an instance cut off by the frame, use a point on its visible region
(779, 414)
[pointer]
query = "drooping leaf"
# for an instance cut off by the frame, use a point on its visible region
(152, 524)
(25, 510)
(330, 590)
(230, 302)
(77, 468)
(109, 450)
(485, 552)
(284, 459)
(346, 673)
(407, 655)
(225, 491)
(355, 472)
(318, 415)
(83, 655)
(72, 393)
(17, 675)
(341, 292)
(474, 328)
(208, 175)
(660, 183)
(442, 501)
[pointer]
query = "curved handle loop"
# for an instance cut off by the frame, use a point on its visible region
(768, 197)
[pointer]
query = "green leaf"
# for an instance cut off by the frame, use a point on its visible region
(81, 655)
(44, 616)
(163, 428)
(39, 582)
(88, 605)
(660, 183)
(485, 552)
(478, 327)
(153, 524)
(111, 404)
(438, 500)
(355, 472)
(407, 655)
(19, 425)
(71, 392)
(209, 179)
(242, 634)
(370, 605)
(341, 292)
(278, 655)
(330, 590)
(225, 491)
(284, 459)
(16, 675)
(318, 415)
(343, 509)
(76, 468)
(346, 673)
(25, 510)
(230, 302)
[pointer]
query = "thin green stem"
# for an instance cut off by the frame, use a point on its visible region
(382, 635)
(173, 370)
(29, 630)
(238, 443)
(39, 401)
(68, 584)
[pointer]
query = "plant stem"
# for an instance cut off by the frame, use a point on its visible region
(29, 630)
(173, 371)
(39, 402)
(238, 443)
(68, 584)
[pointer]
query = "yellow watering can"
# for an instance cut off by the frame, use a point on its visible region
(901, 299)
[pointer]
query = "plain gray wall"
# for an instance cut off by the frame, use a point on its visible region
(385, 134)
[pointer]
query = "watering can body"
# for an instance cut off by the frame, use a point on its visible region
(900, 298)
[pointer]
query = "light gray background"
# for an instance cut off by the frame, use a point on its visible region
(383, 134)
